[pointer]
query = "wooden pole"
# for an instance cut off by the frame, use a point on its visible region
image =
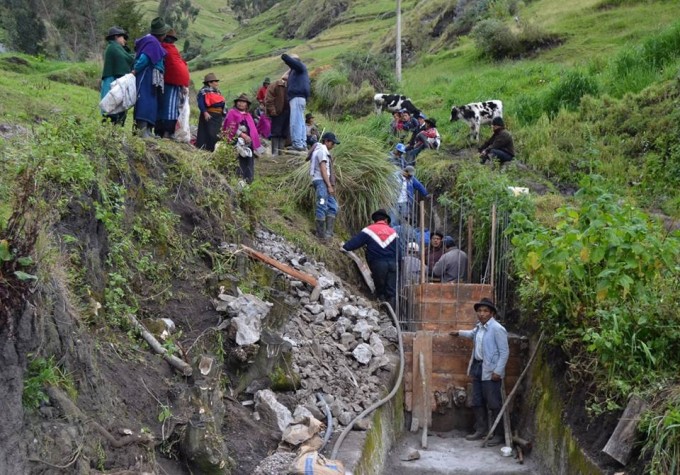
(398, 45)
(426, 400)
(469, 248)
(493, 245)
(422, 240)
(514, 390)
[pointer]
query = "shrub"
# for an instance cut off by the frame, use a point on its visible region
(568, 91)
(494, 39)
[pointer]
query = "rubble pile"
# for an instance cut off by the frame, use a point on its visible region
(343, 348)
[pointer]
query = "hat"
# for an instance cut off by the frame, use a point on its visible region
(308, 116)
(413, 246)
(449, 241)
(330, 136)
(405, 111)
(400, 148)
(379, 215)
(409, 170)
(498, 121)
(432, 121)
(485, 302)
(243, 97)
(116, 31)
(158, 26)
(209, 77)
(171, 34)
(422, 116)
(266, 81)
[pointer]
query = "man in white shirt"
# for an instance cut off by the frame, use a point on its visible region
(323, 179)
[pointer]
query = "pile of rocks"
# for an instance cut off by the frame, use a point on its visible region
(342, 346)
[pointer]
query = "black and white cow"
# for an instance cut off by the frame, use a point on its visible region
(477, 114)
(393, 103)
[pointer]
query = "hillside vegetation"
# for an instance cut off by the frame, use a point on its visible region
(90, 215)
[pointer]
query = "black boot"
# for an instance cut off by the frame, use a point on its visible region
(321, 229)
(481, 424)
(499, 434)
(330, 223)
(142, 129)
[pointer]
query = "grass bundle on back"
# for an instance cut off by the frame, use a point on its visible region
(366, 181)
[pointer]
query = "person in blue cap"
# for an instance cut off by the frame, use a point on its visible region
(397, 156)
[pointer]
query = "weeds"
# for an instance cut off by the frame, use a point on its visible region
(44, 372)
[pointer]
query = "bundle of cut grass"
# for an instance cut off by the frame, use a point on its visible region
(366, 181)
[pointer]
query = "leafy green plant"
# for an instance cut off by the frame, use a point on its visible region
(44, 372)
(605, 280)
(659, 428)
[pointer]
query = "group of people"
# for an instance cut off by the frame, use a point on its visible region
(423, 135)
(161, 76)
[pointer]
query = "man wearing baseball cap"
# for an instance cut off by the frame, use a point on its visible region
(323, 179)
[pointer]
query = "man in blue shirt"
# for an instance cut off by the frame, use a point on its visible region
(490, 352)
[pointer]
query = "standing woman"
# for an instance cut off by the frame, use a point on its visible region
(117, 63)
(176, 87)
(239, 125)
(211, 113)
(149, 69)
(276, 107)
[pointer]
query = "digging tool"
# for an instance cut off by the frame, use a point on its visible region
(514, 390)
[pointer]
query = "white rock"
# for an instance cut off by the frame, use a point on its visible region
(363, 329)
(377, 345)
(269, 408)
(363, 353)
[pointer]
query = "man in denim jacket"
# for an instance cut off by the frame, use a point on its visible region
(490, 352)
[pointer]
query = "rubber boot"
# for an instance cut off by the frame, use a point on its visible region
(142, 129)
(275, 146)
(330, 223)
(481, 424)
(321, 229)
(499, 434)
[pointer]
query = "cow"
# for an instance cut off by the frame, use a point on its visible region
(394, 103)
(477, 114)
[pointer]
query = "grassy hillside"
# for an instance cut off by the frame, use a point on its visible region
(595, 116)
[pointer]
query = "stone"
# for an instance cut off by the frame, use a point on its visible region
(314, 309)
(347, 340)
(363, 353)
(377, 345)
(326, 281)
(350, 311)
(272, 410)
(345, 418)
(363, 329)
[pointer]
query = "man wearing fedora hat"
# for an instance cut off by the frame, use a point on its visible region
(499, 146)
(490, 352)
(117, 63)
(381, 243)
(211, 104)
(149, 69)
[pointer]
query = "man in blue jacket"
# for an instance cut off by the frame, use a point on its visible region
(299, 90)
(406, 198)
(381, 254)
(490, 352)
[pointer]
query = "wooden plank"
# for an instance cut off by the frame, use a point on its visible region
(363, 269)
(620, 444)
(311, 280)
(420, 407)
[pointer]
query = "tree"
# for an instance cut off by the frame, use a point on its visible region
(25, 30)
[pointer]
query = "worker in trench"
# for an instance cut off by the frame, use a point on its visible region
(490, 352)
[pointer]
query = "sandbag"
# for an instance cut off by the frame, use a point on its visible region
(183, 132)
(313, 463)
(121, 97)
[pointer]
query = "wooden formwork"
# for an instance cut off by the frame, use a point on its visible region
(437, 310)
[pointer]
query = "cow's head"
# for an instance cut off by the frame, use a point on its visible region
(455, 114)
